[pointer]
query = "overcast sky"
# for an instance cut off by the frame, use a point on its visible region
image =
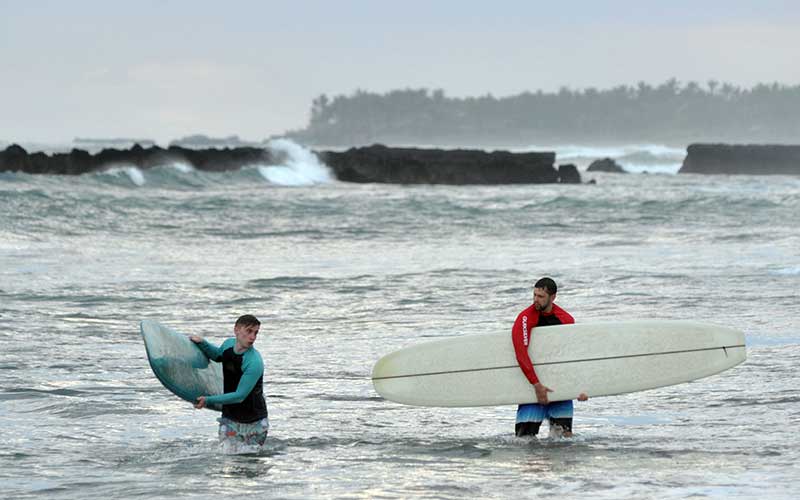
(166, 69)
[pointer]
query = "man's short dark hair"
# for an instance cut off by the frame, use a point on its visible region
(248, 320)
(548, 284)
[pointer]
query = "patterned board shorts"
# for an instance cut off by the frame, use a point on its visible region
(251, 434)
(536, 413)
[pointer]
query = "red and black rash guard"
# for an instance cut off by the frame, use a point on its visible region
(521, 334)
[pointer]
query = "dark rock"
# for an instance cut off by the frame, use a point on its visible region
(78, 161)
(381, 164)
(606, 165)
(15, 157)
(569, 174)
(752, 159)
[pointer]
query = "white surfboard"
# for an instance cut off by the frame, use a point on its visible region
(600, 359)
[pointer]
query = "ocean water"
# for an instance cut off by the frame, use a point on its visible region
(341, 274)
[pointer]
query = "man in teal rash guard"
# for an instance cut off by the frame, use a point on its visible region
(244, 410)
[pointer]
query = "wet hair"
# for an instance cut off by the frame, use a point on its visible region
(548, 284)
(248, 320)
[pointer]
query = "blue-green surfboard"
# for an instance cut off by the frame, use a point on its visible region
(179, 364)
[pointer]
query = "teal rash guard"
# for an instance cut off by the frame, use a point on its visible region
(243, 378)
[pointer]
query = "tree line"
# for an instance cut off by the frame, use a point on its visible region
(671, 113)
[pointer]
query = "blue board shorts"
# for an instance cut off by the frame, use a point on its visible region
(536, 412)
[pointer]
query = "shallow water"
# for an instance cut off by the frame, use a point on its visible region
(342, 274)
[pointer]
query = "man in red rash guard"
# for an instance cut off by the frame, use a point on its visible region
(543, 312)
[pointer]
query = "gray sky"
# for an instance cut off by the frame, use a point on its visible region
(165, 69)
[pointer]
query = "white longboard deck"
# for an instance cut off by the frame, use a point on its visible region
(599, 359)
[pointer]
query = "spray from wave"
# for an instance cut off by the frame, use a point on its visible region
(183, 168)
(293, 165)
(134, 174)
(786, 271)
(299, 167)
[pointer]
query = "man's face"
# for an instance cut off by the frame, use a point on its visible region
(246, 335)
(542, 300)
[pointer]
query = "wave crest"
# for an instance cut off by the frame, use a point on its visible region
(300, 166)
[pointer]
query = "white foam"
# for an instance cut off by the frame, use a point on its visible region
(183, 168)
(231, 448)
(300, 168)
(134, 174)
(786, 271)
(574, 151)
(663, 168)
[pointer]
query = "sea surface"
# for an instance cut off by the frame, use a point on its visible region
(341, 274)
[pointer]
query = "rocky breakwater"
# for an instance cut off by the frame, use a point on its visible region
(750, 159)
(382, 164)
(78, 161)
(379, 164)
